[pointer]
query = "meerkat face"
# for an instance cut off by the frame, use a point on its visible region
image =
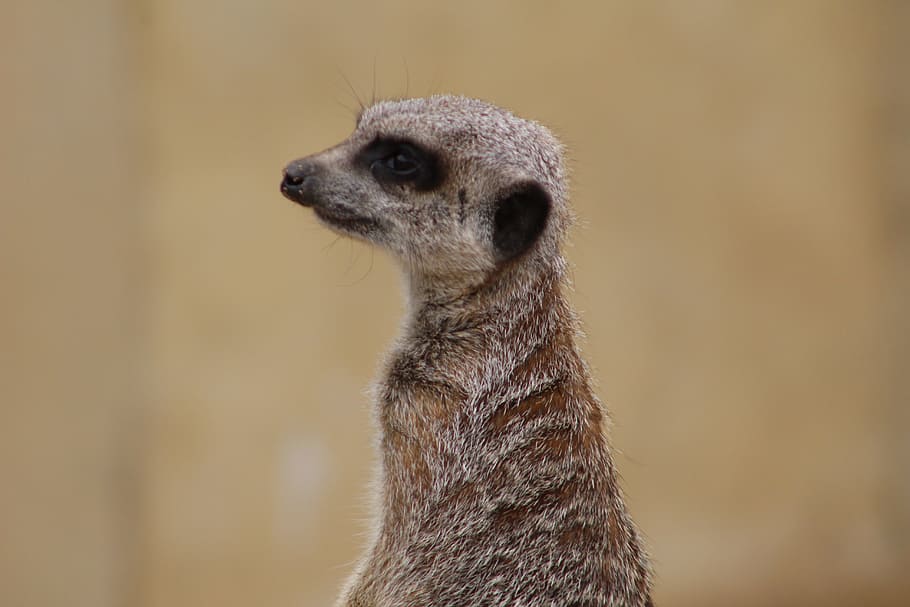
(451, 186)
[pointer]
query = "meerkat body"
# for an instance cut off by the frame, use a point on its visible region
(497, 482)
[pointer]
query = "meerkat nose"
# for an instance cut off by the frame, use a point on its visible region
(292, 185)
(293, 180)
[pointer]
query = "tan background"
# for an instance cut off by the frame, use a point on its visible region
(183, 353)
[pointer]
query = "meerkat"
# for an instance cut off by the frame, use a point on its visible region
(497, 483)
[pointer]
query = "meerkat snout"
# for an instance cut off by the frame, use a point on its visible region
(292, 185)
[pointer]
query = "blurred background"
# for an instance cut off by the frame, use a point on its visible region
(184, 354)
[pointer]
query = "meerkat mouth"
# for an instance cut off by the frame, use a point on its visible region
(341, 219)
(345, 220)
(293, 188)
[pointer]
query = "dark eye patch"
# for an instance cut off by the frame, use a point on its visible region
(401, 161)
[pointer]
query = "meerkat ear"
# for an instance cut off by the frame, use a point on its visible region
(519, 218)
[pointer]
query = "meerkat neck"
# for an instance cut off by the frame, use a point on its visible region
(512, 292)
(459, 365)
(480, 336)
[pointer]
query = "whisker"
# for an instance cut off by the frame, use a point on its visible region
(331, 244)
(346, 106)
(351, 88)
(373, 98)
(369, 269)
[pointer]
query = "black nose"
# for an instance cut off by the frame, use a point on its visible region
(294, 181)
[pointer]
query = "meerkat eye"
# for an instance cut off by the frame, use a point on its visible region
(402, 163)
(395, 161)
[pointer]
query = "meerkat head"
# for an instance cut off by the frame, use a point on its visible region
(455, 188)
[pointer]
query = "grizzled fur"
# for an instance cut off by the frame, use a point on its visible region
(497, 481)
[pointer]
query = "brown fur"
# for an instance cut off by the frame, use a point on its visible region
(497, 481)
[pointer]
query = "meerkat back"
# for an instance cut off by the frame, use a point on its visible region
(497, 482)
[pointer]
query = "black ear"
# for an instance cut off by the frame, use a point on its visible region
(519, 218)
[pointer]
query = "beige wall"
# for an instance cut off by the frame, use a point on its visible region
(185, 354)
(72, 286)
